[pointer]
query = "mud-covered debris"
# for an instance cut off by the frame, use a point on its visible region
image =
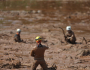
(82, 61)
(4, 36)
(6, 53)
(17, 65)
(84, 39)
(53, 67)
(11, 65)
(9, 59)
(83, 52)
(86, 52)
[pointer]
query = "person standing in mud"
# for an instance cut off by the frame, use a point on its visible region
(38, 54)
(17, 37)
(70, 36)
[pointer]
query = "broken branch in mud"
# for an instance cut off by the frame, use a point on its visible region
(63, 32)
(84, 40)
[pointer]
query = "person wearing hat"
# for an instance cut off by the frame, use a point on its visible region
(70, 36)
(38, 54)
(17, 37)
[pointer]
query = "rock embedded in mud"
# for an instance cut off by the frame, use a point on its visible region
(87, 68)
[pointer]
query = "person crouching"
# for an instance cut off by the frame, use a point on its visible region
(70, 36)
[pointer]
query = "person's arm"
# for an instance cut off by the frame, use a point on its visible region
(19, 38)
(46, 47)
(32, 53)
(73, 35)
(66, 35)
(15, 38)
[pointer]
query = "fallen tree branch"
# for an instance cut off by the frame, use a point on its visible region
(62, 30)
(84, 40)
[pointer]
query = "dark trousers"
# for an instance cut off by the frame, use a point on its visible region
(42, 64)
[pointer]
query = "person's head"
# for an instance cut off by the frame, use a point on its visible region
(19, 30)
(68, 28)
(38, 40)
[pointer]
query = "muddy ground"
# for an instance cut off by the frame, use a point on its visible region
(60, 56)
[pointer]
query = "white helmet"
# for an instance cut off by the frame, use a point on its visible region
(68, 28)
(18, 30)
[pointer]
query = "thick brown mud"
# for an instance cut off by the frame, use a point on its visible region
(44, 19)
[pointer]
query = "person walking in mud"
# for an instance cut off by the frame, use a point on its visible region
(70, 36)
(17, 37)
(38, 54)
